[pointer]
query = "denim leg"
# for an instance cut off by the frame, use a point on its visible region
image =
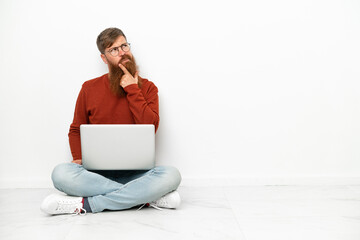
(73, 179)
(148, 187)
(105, 193)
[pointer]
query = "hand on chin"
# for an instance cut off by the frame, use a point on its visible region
(127, 79)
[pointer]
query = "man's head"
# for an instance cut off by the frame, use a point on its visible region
(115, 49)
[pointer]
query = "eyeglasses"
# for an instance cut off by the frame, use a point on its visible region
(115, 50)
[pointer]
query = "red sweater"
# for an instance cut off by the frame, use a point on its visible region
(96, 104)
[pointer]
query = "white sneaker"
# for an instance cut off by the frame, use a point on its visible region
(62, 204)
(170, 200)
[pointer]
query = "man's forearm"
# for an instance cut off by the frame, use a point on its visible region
(145, 111)
(74, 141)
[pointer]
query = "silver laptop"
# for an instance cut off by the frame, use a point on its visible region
(117, 146)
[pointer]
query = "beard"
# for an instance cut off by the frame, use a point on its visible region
(116, 73)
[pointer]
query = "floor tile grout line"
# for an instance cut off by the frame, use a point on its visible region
(233, 213)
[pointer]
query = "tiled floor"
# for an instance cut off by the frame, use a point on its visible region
(251, 213)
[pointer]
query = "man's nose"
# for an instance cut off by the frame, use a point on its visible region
(121, 53)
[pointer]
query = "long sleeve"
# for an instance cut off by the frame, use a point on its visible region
(80, 117)
(144, 106)
(96, 104)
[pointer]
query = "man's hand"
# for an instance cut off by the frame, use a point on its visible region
(77, 161)
(127, 78)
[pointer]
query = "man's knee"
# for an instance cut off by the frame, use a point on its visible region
(62, 173)
(172, 175)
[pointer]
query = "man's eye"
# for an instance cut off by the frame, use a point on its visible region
(114, 49)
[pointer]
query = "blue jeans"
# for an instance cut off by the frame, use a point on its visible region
(115, 189)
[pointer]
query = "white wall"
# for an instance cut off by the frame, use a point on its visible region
(248, 89)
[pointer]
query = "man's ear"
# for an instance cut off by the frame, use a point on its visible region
(103, 57)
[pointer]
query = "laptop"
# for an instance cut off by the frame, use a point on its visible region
(118, 146)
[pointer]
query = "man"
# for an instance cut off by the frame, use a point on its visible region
(119, 97)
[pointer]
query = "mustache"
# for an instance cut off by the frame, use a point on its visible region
(125, 57)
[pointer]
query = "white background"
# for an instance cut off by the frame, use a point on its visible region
(248, 89)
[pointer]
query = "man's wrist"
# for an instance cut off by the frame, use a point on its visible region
(131, 87)
(77, 161)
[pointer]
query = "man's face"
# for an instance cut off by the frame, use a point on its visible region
(115, 72)
(121, 57)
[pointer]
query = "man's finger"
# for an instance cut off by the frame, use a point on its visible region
(124, 68)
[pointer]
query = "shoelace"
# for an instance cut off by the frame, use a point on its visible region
(79, 211)
(150, 205)
(156, 207)
(66, 207)
(161, 202)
